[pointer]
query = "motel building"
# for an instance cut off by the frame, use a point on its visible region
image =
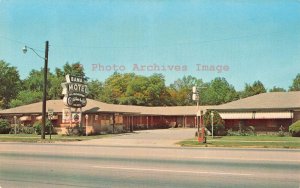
(266, 112)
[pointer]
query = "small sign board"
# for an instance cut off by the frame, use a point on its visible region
(50, 113)
(70, 117)
(66, 115)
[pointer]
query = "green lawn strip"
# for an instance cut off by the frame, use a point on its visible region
(246, 141)
(256, 138)
(54, 138)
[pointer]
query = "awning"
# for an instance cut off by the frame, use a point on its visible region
(256, 115)
(25, 118)
(236, 115)
(39, 118)
(54, 117)
(273, 115)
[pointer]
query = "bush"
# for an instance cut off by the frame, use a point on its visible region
(230, 132)
(294, 129)
(281, 132)
(219, 128)
(243, 131)
(118, 129)
(4, 126)
(26, 130)
(38, 127)
(74, 130)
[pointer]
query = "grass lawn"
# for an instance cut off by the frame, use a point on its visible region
(246, 141)
(37, 138)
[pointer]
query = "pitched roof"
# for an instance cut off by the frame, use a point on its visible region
(94, 106)
(265, 101)
(57, 106)
(173, 110)
(270, 101)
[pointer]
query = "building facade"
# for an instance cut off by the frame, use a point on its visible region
(265, 112)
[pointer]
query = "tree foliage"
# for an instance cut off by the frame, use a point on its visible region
(10, 83)
(115, 86)
(134, 89)
(218, 91)
(296, 84)
(277, 89)
(218, 123)
(95, 88)
(75, 69)
(181, 90)
(256, 88)
(31, 89)
(26, 97)
(127, 88)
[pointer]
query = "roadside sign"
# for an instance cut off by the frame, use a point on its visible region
(50, 113)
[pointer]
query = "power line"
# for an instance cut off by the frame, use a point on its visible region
(179, 44)
(19, 42)
(171, 44)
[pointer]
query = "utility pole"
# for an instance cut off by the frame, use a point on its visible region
(45, 84)
(45, 91)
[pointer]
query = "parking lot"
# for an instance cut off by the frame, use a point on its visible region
(155, 138)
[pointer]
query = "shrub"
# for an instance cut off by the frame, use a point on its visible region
(219, 128)
(243, 131)
(4, 126)
(26, 130)
(38, 127)
(281, 131)
(74, 130)
(118, 129)
(230, 132)
(294, 129)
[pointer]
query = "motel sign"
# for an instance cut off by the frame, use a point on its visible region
(74, 91)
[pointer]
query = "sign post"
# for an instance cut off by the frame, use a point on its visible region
(15, 121)
(212, 124)
(86, 124)
(75, 92)
(50, 117)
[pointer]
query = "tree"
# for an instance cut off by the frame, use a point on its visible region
(277, 89)
(156, 91)
(10, 83)
(55, 80)
(218, 123)
(95, 88)
(26, 97)
(136, 91)
(33, 85)
(75, 69)
(54, 87)
(115, 87)
(218, 91)
(181, 90)
(296, 84)
(35, 81)
(256, 88)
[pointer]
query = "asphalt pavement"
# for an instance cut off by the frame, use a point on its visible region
(144, 138)
(123, 164)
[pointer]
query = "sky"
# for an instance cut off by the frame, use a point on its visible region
(242, 41)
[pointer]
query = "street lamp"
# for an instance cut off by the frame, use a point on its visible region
(25, 49)
(212, 124)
